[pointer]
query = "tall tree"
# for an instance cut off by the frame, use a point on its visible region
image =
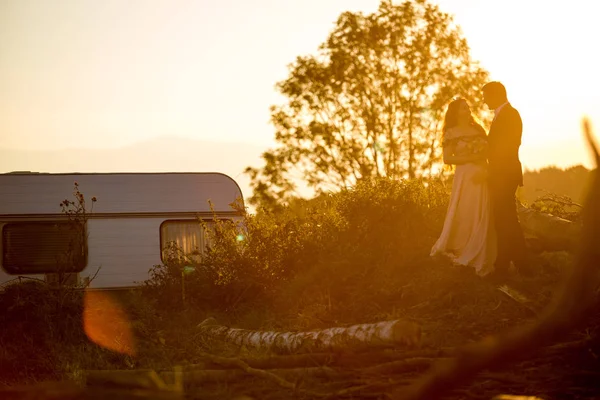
(370, 103)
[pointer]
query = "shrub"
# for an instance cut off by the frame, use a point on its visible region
(329, 247)
(35, 320)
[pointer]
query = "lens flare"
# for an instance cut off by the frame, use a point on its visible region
(106, 323)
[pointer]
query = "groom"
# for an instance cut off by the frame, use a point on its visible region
(505, 175)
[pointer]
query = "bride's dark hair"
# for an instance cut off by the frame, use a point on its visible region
(451, 117)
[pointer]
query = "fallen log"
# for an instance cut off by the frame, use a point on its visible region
(548, 232)
(196, 377)
(350, 380)
(400, 366)
(346, 360)
(275, 362)
(379, 334)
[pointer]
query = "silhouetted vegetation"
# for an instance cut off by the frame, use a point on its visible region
(369, 103)
(330, 247)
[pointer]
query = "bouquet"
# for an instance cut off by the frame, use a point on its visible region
(471, 145)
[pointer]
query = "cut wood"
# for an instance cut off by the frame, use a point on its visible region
(548, 232)
(341, 360)
(379, 334)
(275, 362)
(400, 366)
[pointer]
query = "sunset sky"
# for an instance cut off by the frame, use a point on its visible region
(112, 73)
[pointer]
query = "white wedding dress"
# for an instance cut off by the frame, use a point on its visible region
(468, 236)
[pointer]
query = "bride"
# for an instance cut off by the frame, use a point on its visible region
(468, 236)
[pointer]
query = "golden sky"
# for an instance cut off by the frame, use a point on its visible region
(102, 74)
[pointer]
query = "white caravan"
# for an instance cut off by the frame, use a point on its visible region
(134, 218)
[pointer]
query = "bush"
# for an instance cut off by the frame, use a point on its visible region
(387, 226)
(325, 249)
(559, 206)
(35, 319)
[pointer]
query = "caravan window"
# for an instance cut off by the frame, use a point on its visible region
(183, 240)
(43, 247)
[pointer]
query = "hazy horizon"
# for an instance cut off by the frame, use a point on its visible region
(171, 153)
(529, 154)
(78, 74)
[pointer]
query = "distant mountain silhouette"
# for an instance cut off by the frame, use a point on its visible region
(164, 154)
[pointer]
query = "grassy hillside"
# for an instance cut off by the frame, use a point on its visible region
(354, 257)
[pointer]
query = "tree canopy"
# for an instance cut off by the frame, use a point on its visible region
(369, 103)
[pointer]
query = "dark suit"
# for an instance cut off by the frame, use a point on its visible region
(505, 175)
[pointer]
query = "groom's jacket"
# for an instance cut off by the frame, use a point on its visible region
(504, 140)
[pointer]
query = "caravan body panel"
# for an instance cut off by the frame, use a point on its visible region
(123, 227)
